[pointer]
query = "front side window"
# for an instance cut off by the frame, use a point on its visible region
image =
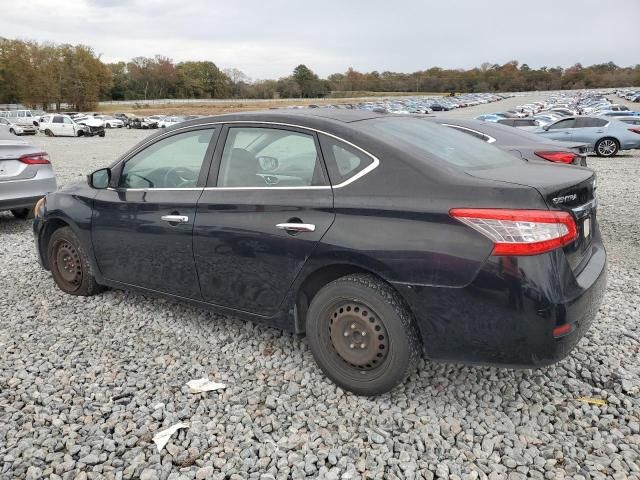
(567, 123)
(173, 162)
(67, 120)
(269, 157)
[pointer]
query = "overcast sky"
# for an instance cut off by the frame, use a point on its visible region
(268, 38)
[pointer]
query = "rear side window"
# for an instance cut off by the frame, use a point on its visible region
(343, 161)
(268, 157)
(58, 120)
(591, 122)
(429, 141)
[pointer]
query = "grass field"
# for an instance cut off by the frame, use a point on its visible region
(229, 106)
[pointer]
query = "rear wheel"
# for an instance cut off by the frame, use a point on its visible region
(69, 264)
(22, 213)
(362, 335)
(607, 147)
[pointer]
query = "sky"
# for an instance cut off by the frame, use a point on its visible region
(267, 39)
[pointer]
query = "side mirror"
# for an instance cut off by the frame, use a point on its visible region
(546, 127)
(100, 178)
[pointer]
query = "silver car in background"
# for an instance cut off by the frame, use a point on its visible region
(605, 135)
(26, 175)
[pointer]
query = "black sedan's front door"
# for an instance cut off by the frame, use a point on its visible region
(256, 228)
(142, 227)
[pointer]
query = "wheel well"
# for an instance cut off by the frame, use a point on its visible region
(49, 227)
(609, 138)
(312, 285)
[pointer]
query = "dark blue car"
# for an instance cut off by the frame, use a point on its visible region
(381, 237)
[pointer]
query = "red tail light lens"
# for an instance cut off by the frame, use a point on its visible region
(557, 157)
(635, 130)
(35, 158)
(520, 232)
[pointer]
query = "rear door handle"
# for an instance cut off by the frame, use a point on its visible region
(296, 227)
(175, 218)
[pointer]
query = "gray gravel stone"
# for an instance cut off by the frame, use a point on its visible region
(80, 379)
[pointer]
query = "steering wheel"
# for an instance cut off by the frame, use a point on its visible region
(180, 176)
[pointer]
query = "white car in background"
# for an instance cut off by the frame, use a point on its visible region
(54, 125)
(170, 121)
(109, 121)
(18, 126)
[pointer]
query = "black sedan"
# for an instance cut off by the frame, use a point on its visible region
(381, 237)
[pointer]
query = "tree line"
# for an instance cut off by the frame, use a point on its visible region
(45, 74)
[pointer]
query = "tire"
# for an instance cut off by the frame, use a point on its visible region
(81, 133)
(12, 131)
(48, 133)
(101, 134)
(607, 147)
(22, 213)
(108, 125)
(362, 335)
(69, 264)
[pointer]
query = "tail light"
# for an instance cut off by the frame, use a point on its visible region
(40, 158)
(635, 130)
(557, 157)
(520, 232)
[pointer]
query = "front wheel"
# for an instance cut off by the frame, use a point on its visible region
(101, 134)
(606, 147)
(362, 335)
(48, 133)
(108, 125)
(69, 264)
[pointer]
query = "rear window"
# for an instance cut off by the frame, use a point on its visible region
(445, 144)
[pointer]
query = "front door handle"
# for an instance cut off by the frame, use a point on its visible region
(296, 227)
(175, 218)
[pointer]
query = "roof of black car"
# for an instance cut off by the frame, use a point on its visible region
(306, 114)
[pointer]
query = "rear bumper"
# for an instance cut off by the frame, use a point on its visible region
(25, 193)
(499, 319)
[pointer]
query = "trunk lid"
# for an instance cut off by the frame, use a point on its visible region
(563, 187)
(10, 167)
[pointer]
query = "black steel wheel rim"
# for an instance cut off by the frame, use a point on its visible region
(68, 265)
(358, 336)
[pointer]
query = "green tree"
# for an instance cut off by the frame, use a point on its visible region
(306, 80)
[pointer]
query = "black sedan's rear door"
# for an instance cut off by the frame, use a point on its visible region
(267, 205)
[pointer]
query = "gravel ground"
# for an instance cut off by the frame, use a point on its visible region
(86, 382)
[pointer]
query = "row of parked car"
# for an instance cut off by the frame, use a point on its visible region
(584, 117)
(76, 124)
(629, 94)
(422, 105)
(129, 120)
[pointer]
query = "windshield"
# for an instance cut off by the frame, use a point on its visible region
(445, 144)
